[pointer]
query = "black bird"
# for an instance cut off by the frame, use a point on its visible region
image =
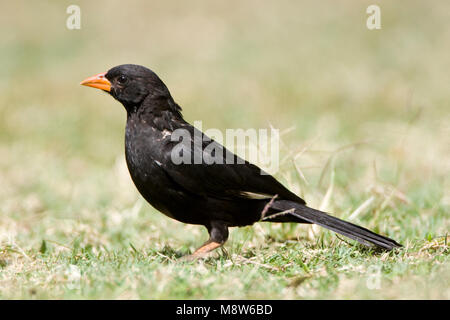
(215, 194)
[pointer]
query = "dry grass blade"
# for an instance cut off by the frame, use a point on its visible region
(361, 208)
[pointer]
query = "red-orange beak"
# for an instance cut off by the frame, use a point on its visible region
(98, 81)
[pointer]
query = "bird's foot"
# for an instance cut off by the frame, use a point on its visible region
(201, 252)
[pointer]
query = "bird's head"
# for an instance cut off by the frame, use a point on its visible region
(130, 84)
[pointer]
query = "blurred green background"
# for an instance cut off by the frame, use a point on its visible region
(366, 123)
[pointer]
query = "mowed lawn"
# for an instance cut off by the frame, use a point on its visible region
(365, 122)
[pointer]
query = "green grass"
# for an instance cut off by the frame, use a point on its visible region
(369, 112)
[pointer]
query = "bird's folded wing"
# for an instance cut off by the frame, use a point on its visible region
(215, 178)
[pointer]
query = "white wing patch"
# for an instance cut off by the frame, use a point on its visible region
(253, 195)
(166, 133)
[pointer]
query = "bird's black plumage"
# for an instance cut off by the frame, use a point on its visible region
(215, 195)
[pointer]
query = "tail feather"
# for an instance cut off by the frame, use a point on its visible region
(350, 230)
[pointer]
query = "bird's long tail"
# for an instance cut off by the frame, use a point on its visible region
(360, 234)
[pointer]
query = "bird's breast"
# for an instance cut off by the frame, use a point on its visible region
(144, 156)
(143, 147)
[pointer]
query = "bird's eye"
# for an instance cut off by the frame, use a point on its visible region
(122, 79)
